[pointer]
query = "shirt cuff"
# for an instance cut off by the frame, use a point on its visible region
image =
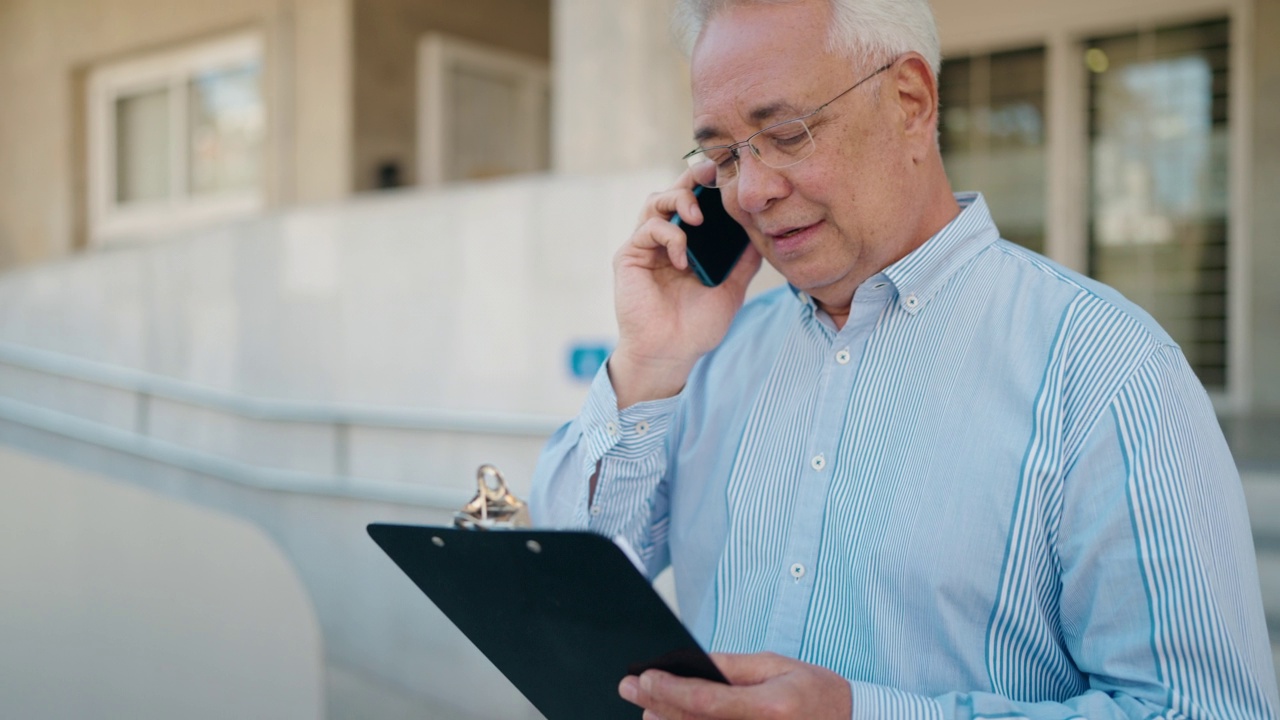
(636, 432)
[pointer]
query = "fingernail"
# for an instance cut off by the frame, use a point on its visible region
(628, 688)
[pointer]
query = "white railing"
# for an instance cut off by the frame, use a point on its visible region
(146, 388)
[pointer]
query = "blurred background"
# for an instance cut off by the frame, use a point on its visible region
(274, 269)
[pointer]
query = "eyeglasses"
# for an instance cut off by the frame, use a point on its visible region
(780, 145)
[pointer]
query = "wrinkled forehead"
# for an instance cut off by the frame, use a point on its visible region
(761, 63)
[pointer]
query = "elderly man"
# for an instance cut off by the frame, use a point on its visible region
(936, 475)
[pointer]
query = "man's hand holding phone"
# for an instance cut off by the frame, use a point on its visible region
(667, 316)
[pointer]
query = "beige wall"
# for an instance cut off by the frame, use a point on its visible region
(622, 88)
(47, 47)
(120, 604)
(386, 45)
(1264, 264)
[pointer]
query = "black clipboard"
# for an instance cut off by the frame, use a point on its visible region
(564, 615)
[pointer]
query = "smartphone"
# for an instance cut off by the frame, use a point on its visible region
(714, 246)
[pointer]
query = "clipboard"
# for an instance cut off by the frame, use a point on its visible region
(563, 615)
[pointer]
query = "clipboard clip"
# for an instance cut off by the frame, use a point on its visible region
(494, 507)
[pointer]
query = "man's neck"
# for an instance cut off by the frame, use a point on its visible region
(838, 313)
(940, 214)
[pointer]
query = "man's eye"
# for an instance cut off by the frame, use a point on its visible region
(722, 157)
(789, 137)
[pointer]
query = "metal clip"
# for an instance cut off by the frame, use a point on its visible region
(494, 506)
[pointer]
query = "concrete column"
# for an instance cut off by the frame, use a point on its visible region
(1264, 248)
(321, 102)
(621, 87)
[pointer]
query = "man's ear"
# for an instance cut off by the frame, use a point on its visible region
(917, 95)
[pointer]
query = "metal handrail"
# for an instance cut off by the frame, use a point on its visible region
(342, 417)
(260, 478)
(289, 411)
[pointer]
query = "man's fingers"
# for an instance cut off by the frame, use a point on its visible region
(751, 669)
(673, 697)
(657, 233)
(687, 206)
(678, 198)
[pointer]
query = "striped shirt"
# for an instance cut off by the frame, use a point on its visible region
(998, 490)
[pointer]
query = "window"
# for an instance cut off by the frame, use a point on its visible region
(176, 139)
(992, 134)
(1158, 173)
(483, 112)
(1125, 178)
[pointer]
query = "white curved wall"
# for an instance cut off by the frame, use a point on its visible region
(118, 603)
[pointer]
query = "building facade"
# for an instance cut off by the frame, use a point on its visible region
(252, 258)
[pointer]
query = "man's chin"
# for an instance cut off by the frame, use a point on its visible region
(805, 276)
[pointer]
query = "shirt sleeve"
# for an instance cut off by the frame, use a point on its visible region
(1160, 608)
(630, 450)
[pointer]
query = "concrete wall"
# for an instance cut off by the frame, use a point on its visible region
(385, 80)
(119, 603)
(463, 299)
(621, 97)
(48, 46)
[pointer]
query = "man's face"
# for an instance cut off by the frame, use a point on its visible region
(828, 222)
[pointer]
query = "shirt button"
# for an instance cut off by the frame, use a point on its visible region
(842, 357)
(595, 509)
(611, 428)
(797, 571)
(818, 462)
(912, 302)
(642, 427)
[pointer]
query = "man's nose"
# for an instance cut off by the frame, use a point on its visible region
(758, 184)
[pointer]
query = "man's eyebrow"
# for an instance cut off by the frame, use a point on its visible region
(773, 111)
(759, 116)
(704, 133)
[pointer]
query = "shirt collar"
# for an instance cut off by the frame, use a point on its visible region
(924, 271)
(919, 275)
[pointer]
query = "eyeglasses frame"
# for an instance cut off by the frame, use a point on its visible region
(734, 148)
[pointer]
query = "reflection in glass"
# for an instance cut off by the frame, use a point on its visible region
(227, 124)
(142, 146)
(1158, 220)
(992, 134)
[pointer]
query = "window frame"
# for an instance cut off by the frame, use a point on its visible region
(110, 221)
(1067, 143)
(437, 53)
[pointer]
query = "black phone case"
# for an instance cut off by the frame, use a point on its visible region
(715, 246)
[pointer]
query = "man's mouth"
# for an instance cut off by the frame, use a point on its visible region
(791, 238)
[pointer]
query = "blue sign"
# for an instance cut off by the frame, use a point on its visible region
(585, 360)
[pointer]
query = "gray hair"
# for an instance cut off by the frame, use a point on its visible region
(879, 30)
